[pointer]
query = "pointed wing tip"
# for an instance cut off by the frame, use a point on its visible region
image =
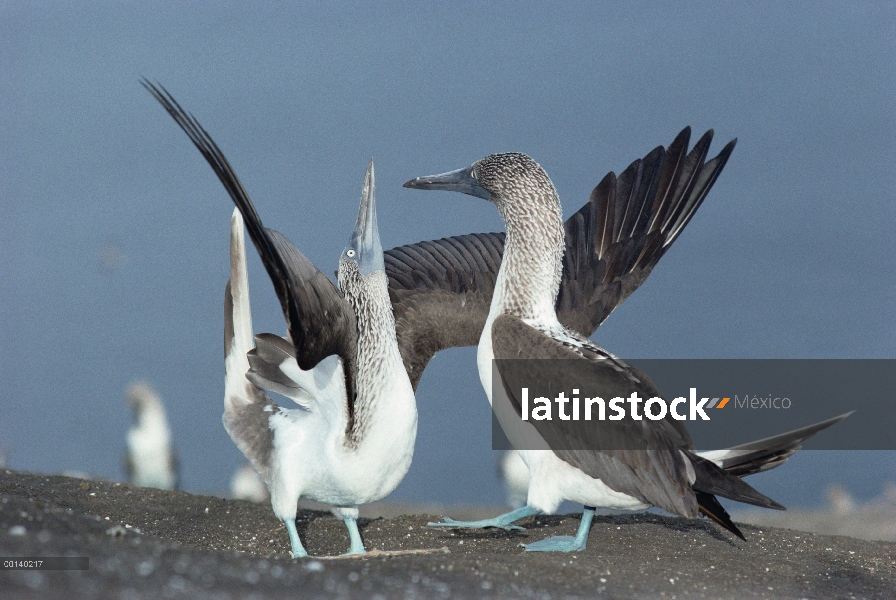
(838, 418)
(727, 150)
(236, 223)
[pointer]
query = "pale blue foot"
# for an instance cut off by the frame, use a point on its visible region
(566, 543)
(560, 543)
(355, 537)
(298, 551)
(504, 521)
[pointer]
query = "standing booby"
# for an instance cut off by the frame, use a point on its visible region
(351, 438)
(522, 324)
(151, 461)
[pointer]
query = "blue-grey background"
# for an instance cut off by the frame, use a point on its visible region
(114, 231)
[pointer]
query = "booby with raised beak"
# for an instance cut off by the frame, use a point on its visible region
(523, 324)
(350, 439)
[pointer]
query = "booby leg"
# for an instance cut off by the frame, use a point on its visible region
(566, 543)
(504, 521)
(298, 551)
(355, 536)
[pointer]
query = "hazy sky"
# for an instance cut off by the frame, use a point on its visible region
(114, 232)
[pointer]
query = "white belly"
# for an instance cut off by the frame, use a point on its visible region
(551, 481)
(310, 458)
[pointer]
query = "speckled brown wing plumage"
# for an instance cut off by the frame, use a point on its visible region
(441, 292)
(645, 459)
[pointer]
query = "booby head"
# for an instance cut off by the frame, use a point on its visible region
(527, 201)
(145, 402)
(506, 179)
(364, 253)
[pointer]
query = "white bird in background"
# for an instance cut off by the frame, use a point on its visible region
(514, 474)
(247, 484)
(151, 461)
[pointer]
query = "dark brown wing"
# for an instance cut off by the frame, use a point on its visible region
(319, 320)
(646, 459)
(441, 291)
(614, 241)
(638, 458)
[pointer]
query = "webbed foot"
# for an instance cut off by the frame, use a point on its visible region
(504, 521)
(560, 543)
(566, 543)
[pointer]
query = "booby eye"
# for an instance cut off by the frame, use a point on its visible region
(350, 253)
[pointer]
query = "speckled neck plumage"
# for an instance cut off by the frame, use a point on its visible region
(377, 354)
(530, 274)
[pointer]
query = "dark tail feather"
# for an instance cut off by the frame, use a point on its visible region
(768, 453)
(710, 507)
(714, 480)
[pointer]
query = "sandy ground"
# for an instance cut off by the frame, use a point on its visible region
(146, 543)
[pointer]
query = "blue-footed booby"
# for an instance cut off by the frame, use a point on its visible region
(151, 460)
(321, 449)
(350, 439)
(523, 324)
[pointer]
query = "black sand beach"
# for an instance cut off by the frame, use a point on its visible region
(145, 543)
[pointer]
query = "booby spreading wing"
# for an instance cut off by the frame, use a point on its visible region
(319, 320)
(247, 409)
(441, 290)
(652, 461)
(614, 241)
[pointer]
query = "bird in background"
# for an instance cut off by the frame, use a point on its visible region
(151, 460)
(523, 323)
(247, 484)
(514, 476)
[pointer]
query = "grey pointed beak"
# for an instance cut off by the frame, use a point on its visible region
(461, 180)
(365, 240)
